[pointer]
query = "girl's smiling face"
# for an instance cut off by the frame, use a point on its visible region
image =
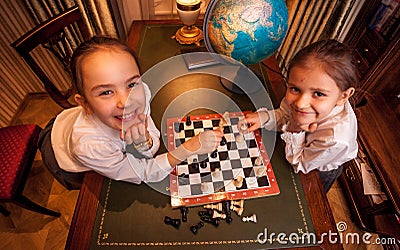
(109, 77)
(312, 94)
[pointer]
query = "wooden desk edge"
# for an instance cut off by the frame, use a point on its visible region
(84, 217)
(82, 224)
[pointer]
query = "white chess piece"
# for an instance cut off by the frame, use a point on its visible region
(238, 182)
(241, 129)
(258, 161)
(239, 137)
(252, 218)
(238, 203)
(238, 210)
(204, 187)
(217, 214)
(217, 206)
(225, 116)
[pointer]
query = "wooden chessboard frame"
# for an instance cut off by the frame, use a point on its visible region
(176, 201)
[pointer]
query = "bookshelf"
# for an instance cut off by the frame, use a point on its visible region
(375, 39)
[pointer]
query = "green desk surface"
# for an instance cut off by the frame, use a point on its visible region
(132, 215)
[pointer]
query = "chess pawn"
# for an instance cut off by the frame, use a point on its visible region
(195, 164)
(226, 118)
(252, 218)
(213, 221)
(217, 214)
(173, 222)
(238, 182)
(239, 137)
(196, 228)
(184, 212)
(206, 213)
(217, 206)
(204, 187)
(188, 121)
(243, 128)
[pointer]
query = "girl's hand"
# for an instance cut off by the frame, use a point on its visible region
(205, 142)
(254, 120)
(137, 132)
(296, 127)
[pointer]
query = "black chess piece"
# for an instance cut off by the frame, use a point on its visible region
(223, 156)
(206, 213)
(226, 205)
(203, 164)
(223, 141)
(195, 164)
(214, 154)
(183, 179)
(188, 121)
(184, 211)
(213, 221)
(173, 222)
(177, 127)
(196, 228)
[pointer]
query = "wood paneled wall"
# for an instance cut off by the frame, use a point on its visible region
(16, 78)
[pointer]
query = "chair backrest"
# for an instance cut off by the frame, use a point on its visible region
(53, 35)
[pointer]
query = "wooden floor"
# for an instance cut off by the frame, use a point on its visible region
(24, 229)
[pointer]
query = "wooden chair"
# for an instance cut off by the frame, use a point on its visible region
(18, 147)
(52, 35)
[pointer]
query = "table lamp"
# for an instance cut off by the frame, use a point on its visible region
(188, 12)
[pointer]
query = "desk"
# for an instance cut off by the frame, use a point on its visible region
(95, 188)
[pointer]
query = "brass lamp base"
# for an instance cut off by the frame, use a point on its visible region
(188, 35)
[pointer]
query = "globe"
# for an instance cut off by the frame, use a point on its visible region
(246, 30)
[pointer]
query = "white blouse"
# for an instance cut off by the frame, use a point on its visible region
(82, 142)
(332, 144)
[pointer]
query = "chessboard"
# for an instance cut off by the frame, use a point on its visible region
(238, 169)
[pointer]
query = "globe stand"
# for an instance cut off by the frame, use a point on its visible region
(188, 35)
(241, 83)
(230, 86)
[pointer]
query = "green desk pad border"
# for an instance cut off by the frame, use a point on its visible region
(131, 215)
(121, 215)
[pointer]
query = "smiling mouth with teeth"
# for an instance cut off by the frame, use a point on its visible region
(125, 116)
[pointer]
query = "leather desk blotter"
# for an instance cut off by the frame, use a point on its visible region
(132, 215)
